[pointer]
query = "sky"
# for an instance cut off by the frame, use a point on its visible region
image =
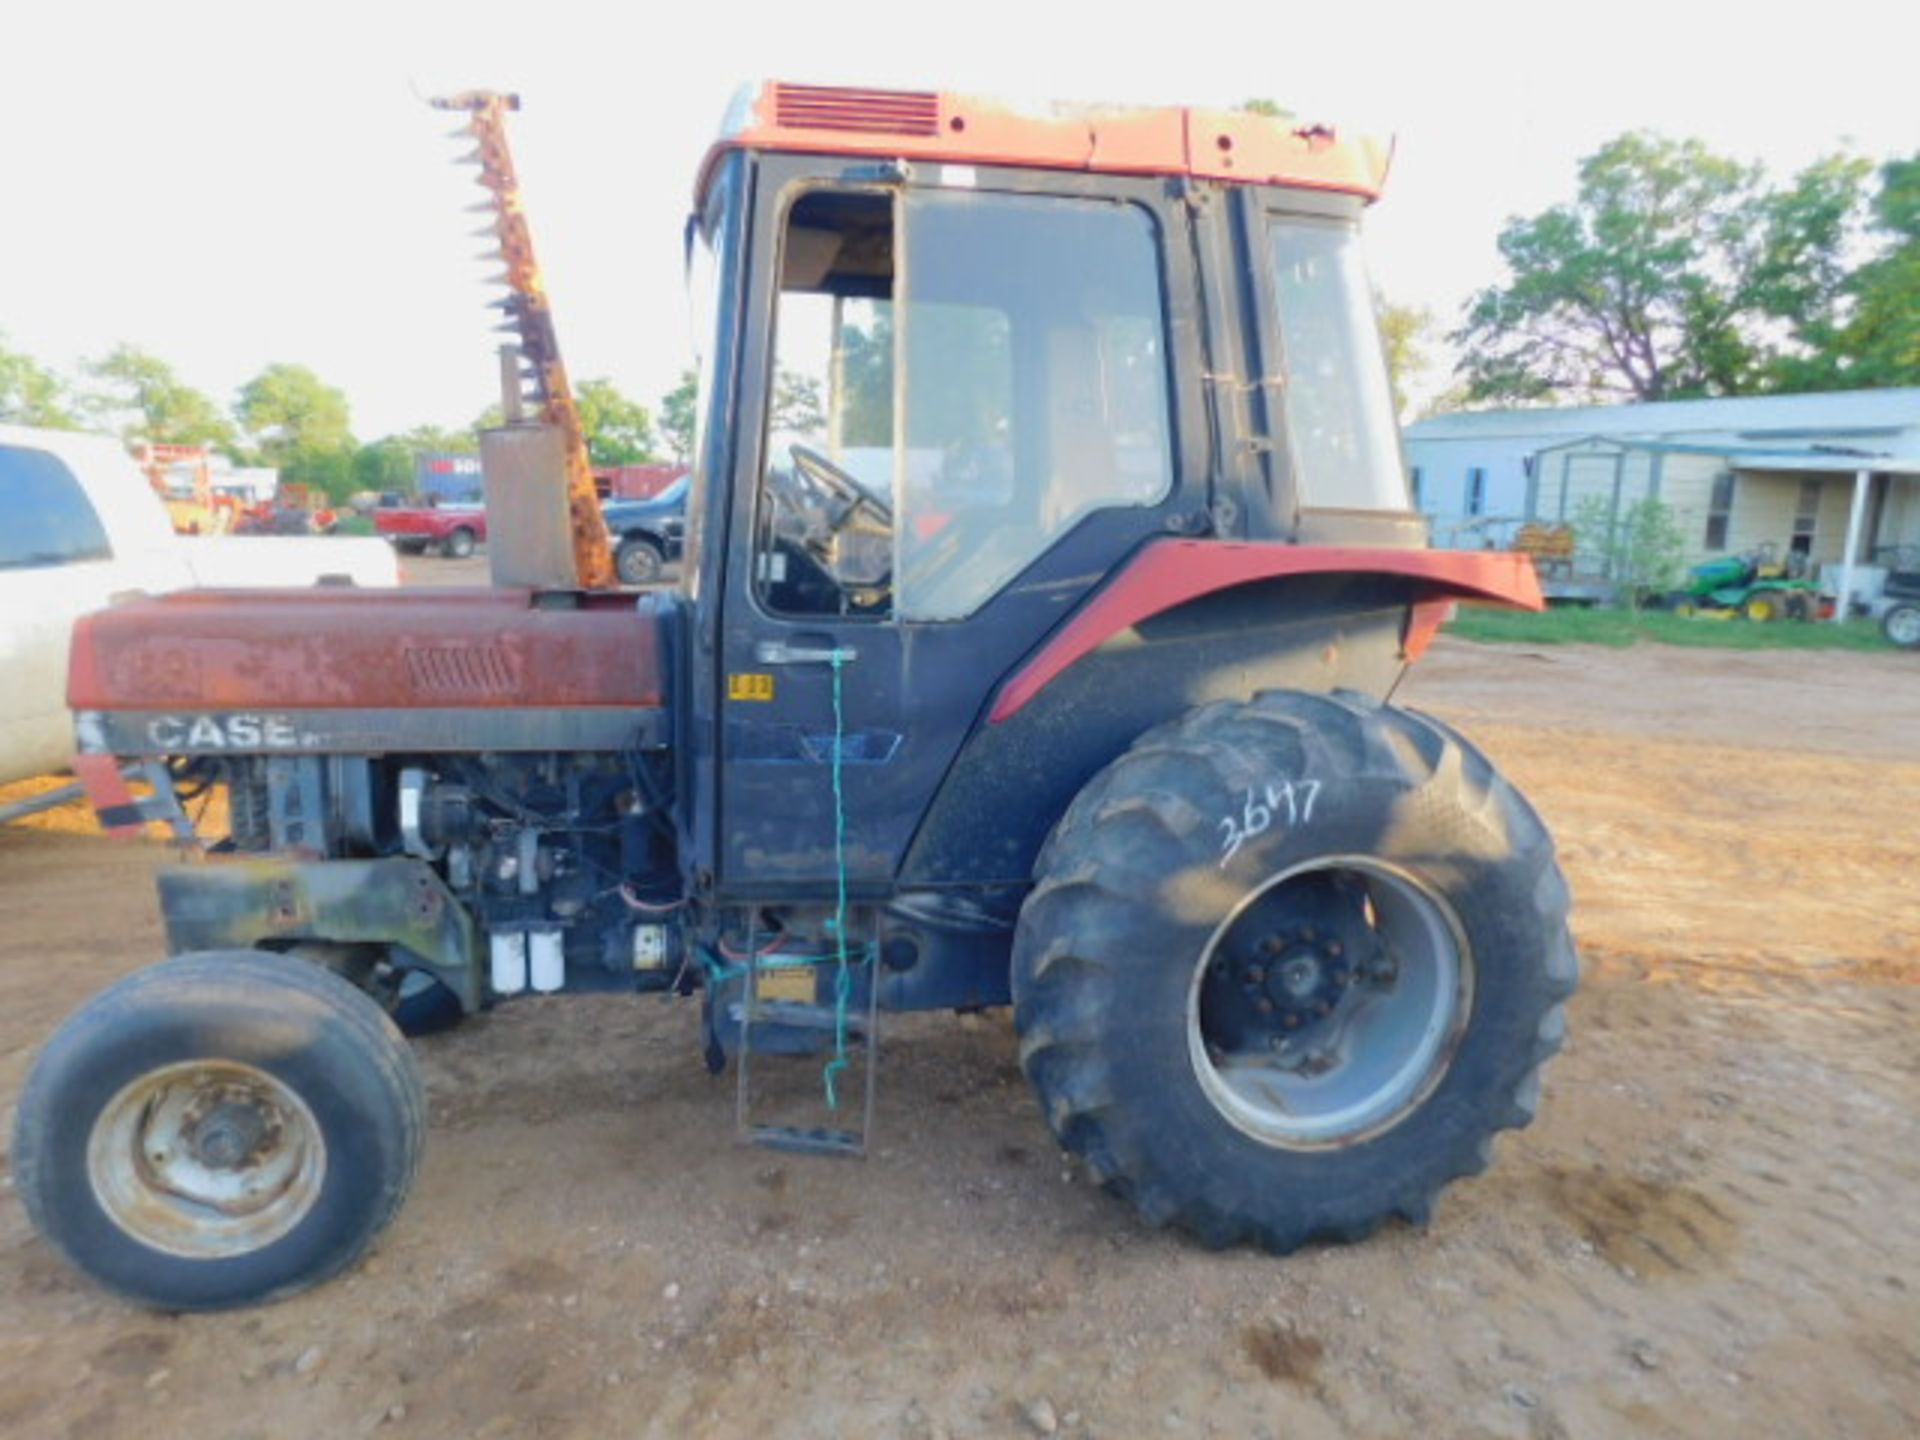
(231, 185)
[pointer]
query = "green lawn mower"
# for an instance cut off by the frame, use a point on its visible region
(1756, 586)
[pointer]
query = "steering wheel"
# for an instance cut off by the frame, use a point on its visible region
(830, 477)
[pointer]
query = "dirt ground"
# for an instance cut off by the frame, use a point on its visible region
(1710, 1231)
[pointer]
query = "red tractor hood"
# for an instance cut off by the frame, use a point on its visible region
(344, 649)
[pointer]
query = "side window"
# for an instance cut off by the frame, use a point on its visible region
(824, 524)
(1339, 406)
(938, 421)
(1719, 511)
(48, 518)
(1033, 344)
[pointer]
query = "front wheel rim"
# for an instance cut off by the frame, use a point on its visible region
(1312, 1036)
(206, 1159)
(1903, 626)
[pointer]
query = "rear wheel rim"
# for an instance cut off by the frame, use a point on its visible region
(207, 1159)
(1355, 1033)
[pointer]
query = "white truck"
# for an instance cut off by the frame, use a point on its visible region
(80, 527)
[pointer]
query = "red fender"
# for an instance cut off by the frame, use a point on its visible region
(1169, 572)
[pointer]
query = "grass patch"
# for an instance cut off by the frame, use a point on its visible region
(354, 525)
(1597, 625)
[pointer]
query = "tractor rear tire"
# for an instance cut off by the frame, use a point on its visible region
(1389, 875)
(219, 1129)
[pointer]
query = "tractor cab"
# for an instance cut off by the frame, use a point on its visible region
(960, 366)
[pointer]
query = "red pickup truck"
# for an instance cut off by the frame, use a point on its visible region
(446, 529)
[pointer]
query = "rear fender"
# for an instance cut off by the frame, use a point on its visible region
(1168, 573)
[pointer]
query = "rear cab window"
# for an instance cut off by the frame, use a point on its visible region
(46, 519)
(1339, 408)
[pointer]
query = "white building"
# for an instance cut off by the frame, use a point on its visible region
(1834, 477)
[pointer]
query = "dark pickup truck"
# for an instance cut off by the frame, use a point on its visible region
(647, 534)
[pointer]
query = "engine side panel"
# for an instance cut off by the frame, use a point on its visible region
(276, 651)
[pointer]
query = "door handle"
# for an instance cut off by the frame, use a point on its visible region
(778, 652)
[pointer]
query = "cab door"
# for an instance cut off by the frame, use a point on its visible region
(962, 416)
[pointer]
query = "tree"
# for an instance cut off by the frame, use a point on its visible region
(797, 407)
(1675, 272)
(1878, 342)
(384, 465)
(1640, 549)
(1272, 109)
(438, 440)
(1403, 331)
(677, 415)
(290, 413)
(138, 396)
(299, 424)
(30, 394)
(619, 431)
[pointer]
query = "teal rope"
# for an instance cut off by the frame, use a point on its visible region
(842, 979)
(718, 973)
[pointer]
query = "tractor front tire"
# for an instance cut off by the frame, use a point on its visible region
(219, 1129)
(1288, 967)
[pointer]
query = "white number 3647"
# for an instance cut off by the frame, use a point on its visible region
(1289, 803)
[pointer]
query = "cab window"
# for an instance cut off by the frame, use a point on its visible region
(1339, 405)
(943, 407)
(824, 523)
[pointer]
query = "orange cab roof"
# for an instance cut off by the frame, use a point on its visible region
(1233, 145)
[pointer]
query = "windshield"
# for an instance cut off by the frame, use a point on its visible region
(1346, 442)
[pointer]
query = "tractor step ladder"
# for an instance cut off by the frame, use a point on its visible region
(753, 1008)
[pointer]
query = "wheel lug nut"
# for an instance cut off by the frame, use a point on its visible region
(1263, 1005)
(1335, 949)
(1290, 1020)
(1323, 1009)
(1256, 974)
(1271, 945)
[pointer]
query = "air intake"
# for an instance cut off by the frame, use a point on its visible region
(459, 670)
(862, 112)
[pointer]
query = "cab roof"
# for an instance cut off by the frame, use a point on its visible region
(1226, 145)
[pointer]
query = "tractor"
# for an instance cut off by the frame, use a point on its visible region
(1045, 662)
(1757, 586)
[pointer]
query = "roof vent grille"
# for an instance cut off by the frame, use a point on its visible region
(864, 112)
